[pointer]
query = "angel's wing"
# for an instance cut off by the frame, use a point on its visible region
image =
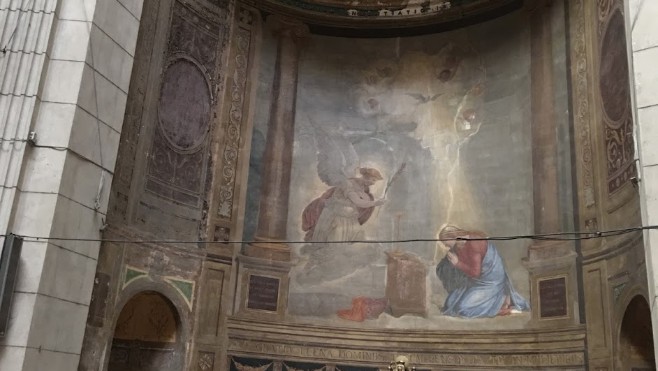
(337, 159)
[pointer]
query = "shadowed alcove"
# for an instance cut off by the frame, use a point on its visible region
(635, 339)
(146, 336)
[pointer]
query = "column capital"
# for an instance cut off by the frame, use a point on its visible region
(288, 27)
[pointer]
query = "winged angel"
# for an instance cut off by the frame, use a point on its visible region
(337, 215)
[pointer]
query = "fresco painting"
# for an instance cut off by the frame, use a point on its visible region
(430, 136)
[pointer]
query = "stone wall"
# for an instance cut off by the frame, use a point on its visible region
(87, 50)
(643, 35)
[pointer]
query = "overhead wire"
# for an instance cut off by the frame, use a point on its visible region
(557, 236)
(33, 144)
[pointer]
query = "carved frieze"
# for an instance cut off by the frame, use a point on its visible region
(377, 357)
(206, 361)
(615, 95)
(178, 160)
(234, 122)
(582, 106)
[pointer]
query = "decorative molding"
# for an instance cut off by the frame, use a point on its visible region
(385, 14)
(375, 357)
(235, 121)
(184, 287)
(131, 274)
(206, 361)
(504, 349)
(614, 92)
(582, 106)
(177, 170)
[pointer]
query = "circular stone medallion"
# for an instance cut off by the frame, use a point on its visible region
(184, 109)
(613, 76)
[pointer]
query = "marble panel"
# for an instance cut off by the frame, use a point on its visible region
(80, 10)
(62, 82)
(646, 77)
(42, 170)
(634, 7)
(652, 260)
(650, 182)
(100, 97)
(34, 213)
(644, 26)
(110, 59)
(75, 221)
(134, 7)
(12, 358)
(92, 145)
(67, 275)
(25, 79)
(648, 132)
(57, 325)
(43, 359)
(118, 23)
(22, 308)
(71, 40)
(80, 182)
(33, 255)
(53, 124)
(34, 78)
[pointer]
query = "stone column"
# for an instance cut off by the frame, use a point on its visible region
(265, 264)
(544, 129)
(275, 187)
(551, 264)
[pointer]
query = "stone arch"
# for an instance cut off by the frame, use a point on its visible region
(161, 342)
(634, 337)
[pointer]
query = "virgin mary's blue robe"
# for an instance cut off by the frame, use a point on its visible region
(482, 296)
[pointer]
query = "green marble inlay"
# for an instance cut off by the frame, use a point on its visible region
(186, 288)
(131, 274)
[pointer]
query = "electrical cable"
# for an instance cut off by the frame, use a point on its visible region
(558, 236)
(33, 144)
(99, 193)
(18, 22)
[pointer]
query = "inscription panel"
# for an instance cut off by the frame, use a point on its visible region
(375, 357)
(263, 293)
(553, 297)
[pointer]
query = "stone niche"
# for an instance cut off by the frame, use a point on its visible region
(453, 129)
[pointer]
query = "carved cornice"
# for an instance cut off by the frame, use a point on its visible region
(385, 14)
(304, 342)
(614, 246)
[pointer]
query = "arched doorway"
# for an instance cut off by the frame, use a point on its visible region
(636, 338)
(147, 336)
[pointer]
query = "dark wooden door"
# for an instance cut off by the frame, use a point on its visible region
(132, 355)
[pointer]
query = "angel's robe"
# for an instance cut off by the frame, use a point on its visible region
(313, 211)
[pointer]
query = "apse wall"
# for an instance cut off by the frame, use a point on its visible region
(445, 119)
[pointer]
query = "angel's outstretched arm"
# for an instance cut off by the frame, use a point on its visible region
(363, 202)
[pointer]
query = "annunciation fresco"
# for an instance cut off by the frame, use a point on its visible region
(399, 142)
